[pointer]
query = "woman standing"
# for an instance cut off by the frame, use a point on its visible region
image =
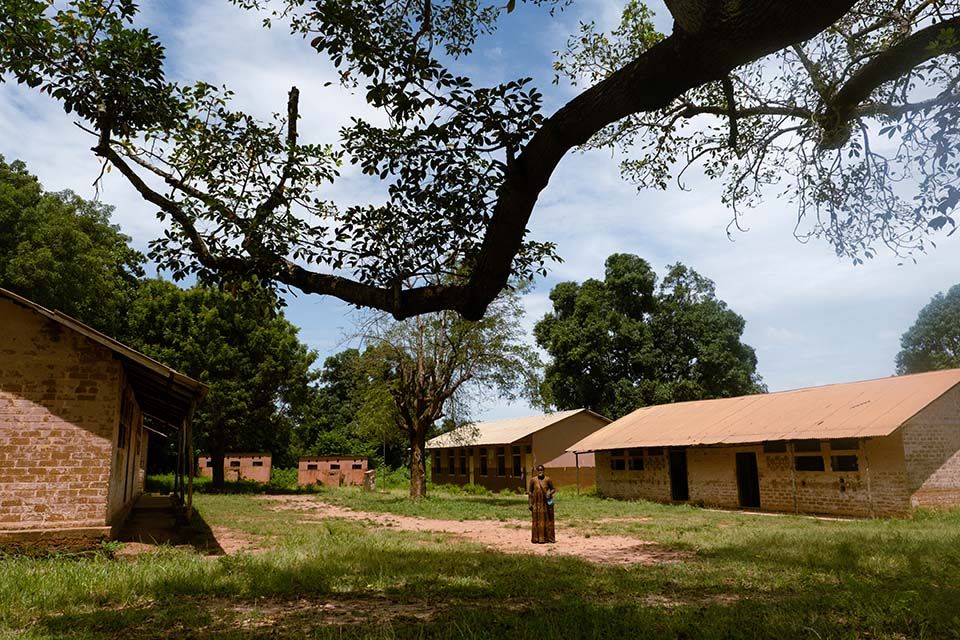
(540, 493)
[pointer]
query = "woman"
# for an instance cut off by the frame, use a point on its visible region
(540, 493)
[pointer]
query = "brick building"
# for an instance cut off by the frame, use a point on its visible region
(73, 445)
(332, 471)
(501, 454)
(873, 448)
(238, 466)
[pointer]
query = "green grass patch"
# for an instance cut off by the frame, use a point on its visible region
(749, 576)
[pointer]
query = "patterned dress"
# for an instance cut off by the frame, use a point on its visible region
(539, 491)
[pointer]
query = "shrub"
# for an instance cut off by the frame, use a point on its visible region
(283, 479)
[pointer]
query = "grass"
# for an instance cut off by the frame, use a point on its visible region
(750, 577)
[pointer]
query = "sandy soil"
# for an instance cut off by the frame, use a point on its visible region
(506, 537)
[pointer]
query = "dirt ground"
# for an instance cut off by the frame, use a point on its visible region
(512, 536)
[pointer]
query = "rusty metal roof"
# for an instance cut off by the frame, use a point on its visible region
(164, 394)
(851, 410)
(499, 431)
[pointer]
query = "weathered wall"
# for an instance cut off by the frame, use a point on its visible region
(332, 471)
(931, 446)
(239, 466)
(878, 487)
(542, 447)
(443, 474)
(651, 483)
(552, 442)
(126, 439)
(59, 411)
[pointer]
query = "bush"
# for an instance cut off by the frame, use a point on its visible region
(283, 479)
(475, 490)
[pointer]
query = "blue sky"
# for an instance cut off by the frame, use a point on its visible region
(812, 317)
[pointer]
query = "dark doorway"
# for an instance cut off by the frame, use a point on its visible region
(679, 490)
(748, 481)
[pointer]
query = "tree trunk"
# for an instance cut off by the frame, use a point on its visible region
(418, 463)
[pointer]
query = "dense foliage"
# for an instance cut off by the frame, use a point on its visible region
(846, 107)
(61, 251)
(933, 342)
(258, 371)
(623, 343)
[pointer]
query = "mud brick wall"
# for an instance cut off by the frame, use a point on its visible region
(59, 412)
(712, 480)
(931, 447)
(650, 483)
(331, 471)
(239, 466)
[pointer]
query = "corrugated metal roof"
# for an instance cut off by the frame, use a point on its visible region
(163, 394)
(850, 410)
(498, 431)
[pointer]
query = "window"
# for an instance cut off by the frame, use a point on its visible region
(617, 461)
(501, 462)
(806, 446)
(654, 451)
(356, 466)
(844, 463)
(451, 461)
(258, 463)
(209, 463)
(311, 467)
(844, 444)
(528, 448)
(808, 463)
(234, 463)
(635, 459)
(483, 461)
(437, 465)
(775, 446)
(463, 462)
(517, 466)
(334, 466)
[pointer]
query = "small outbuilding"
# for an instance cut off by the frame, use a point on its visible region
(254, 467)
(501, 454)
(872, 448)
(332, 471)
(74, 409)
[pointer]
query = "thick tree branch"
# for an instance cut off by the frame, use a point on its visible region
(734, 34)
(886, 66)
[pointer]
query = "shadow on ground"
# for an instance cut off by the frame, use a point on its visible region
(157, 520)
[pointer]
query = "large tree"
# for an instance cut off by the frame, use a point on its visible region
(61, 251)
(933, 342)
(623, 343)
(436, 364)
(258, 371)
(800, 95)
(351, 412)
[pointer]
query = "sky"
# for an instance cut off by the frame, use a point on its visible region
(812, 317)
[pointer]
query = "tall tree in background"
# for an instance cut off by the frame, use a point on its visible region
(351, 412)
(933, 342)
(625, 343)
(772, 96)
(433, 363)
(258, 371)
(61, 251)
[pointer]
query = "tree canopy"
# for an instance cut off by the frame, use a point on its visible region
(933, 342)
(61, 251)
(352, 412)
(846, 107)
(436, 364)
(625, 342)
(258, 371)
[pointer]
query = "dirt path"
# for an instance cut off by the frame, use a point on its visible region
(507, 537)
